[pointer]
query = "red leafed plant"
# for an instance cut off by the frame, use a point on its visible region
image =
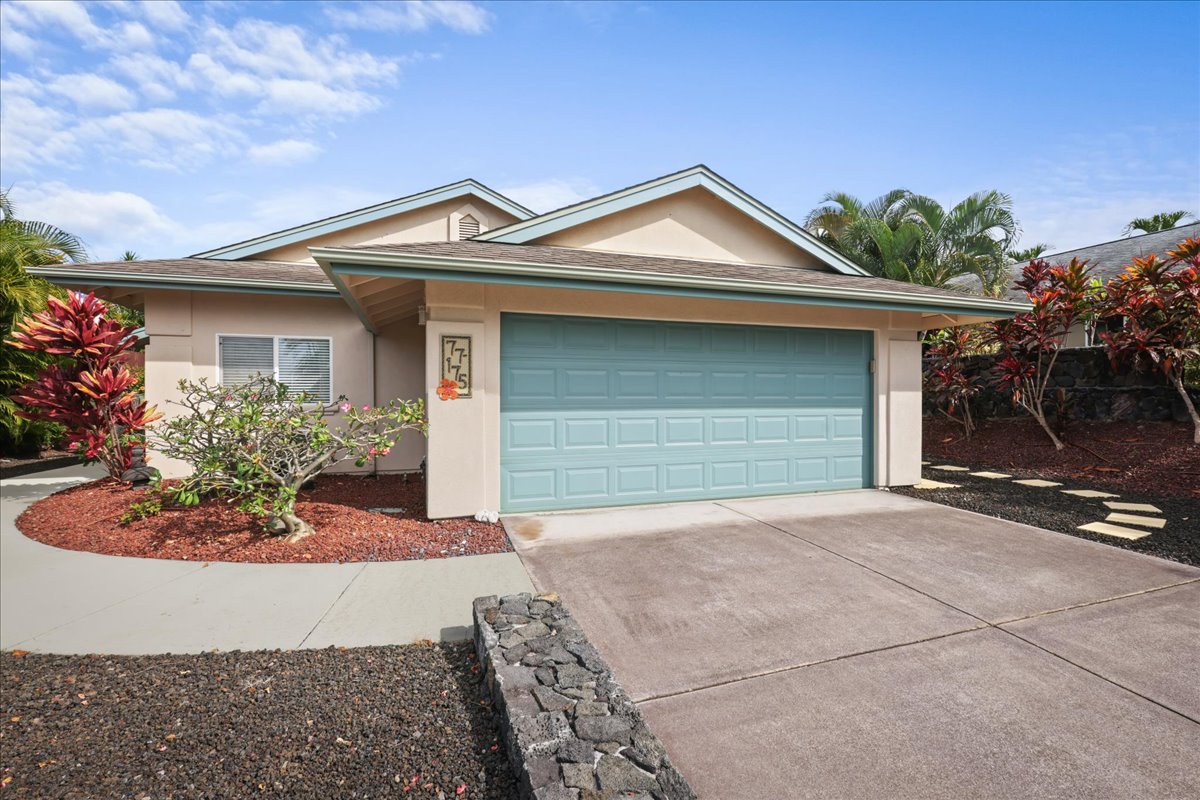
(1157, 305)
(91, 390)
(947, 381)
(1029, 343)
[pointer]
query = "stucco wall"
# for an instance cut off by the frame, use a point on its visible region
(692, 224)
(464, 439)
(183, 329)
(429, 224)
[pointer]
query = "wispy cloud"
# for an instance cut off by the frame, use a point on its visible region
(411, 15)
(285, 151)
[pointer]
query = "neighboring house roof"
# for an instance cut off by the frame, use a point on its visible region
(321, 227)
(548, 265)
(1107, 259)
(275, 277)
(701, 176)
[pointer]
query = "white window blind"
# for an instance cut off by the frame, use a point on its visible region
(468, 226)
(302, 364)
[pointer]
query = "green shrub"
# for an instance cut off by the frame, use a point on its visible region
(143, 509)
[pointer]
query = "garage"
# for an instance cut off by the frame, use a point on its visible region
(604, 412)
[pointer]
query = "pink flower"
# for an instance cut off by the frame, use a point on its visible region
(462, 787)
(373, 451)
(366, 408)
(344, 407)
(385, 451)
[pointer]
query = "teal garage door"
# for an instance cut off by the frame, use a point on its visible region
(604, 412)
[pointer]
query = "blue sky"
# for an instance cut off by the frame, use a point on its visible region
(170, 128)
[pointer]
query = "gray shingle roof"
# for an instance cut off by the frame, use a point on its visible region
(596, 259)
(1106, 259)
(216, 270)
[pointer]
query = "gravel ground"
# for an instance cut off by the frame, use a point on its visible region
(372, 722)
(1049, 508)
(1154, 458)
(337, 506)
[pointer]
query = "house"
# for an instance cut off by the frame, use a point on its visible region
(674, 340)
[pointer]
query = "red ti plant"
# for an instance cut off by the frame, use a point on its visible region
(947, 381)
(1158, 304)
(91, 390)
(1029, 343)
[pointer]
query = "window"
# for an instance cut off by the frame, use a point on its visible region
(303, 364)
(468, 226)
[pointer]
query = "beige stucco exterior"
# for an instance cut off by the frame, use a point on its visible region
(434, 223)
(183, 328)
(691, 224)
(464, 442)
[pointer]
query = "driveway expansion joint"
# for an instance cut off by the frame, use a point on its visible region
(336, 600)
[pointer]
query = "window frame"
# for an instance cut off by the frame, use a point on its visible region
(275, 337)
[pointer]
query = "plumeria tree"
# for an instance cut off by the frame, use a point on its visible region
(1029, 343)
(258, 443)
(1156, 303)
(89, 389)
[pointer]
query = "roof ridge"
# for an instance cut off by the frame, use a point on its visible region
(1119, 239)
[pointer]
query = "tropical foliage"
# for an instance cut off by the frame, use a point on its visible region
(257, 444)
(90, 390)
(947, 380)
(25, 243)
(1029, 343)
(1162, 221)
(1158, 304)
(911, 237)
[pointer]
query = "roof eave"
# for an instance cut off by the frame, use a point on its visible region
(299, 233)
(333, 261)
(77, 277)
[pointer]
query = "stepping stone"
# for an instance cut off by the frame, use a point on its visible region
(1089, 493)
(1038, 482)
(1134, 519)
(992, 475)
(1114, 530)
(928, 484)
(1118, 506)
(952, 468)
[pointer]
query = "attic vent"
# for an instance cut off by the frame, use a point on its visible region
(468, 226)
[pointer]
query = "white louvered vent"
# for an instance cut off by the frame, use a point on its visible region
(468, 226)
(302, 364)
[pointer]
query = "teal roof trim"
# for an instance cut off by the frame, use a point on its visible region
(699, 176)
(465, 188)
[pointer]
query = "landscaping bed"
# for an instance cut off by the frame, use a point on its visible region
(14, 467)
(1049, 508)
(1154, 458)
(88, 517)
(370, 722)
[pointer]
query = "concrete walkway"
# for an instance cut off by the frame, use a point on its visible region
(864, 644)
(63, 601)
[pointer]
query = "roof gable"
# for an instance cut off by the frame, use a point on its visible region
(700, 177)
(462, 190)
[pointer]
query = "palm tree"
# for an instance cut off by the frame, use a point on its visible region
(910, 237)
(129, 255)
(1162, 221)
(25, 243)
(1028, 254)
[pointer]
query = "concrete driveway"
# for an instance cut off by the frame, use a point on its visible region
(864, 644)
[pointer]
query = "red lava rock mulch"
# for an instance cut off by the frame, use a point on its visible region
(1150, 458)
(87, 517)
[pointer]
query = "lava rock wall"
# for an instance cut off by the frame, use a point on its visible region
(571, 731)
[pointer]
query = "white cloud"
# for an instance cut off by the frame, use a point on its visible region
(282, 152)
(92, 91)
(547, 195)
(412, 15)
(164, 138)
(73, 18)
(109, 222)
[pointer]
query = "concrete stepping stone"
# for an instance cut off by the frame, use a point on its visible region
(1038, 482)
(952, 468)
(993, 475)
(1114, 530)
(1134, 519)
(1119, 506)
(1089, 493)
(928, 484)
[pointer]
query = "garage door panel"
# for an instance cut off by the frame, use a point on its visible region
(643, 412)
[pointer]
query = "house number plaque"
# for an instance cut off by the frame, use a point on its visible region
(456, 362)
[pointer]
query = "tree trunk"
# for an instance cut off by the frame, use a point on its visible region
(1041, 418)
(1189, 405)
(294, 528)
